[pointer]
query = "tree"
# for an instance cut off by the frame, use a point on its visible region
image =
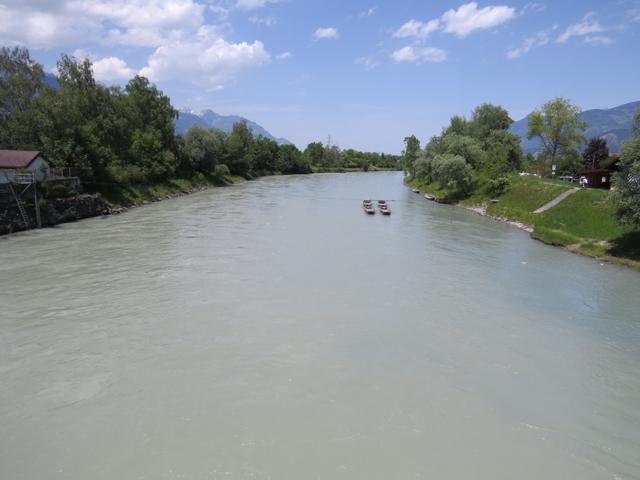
(595, 153)
(264, 155)
(626, 195)
(487, 118)
(291, 160)
(636, 122)
(21, 81)
(452, 172)
(458, 125)
(238, 149)
(559, 127)
(410, 154)
(203, 148)
(466, 147)
(509, 145)
(314, 153)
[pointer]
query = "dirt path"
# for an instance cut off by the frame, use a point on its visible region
(556, 200)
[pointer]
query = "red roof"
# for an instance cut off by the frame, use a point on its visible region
(17, 158)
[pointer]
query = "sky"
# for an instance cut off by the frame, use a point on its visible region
(366, 73)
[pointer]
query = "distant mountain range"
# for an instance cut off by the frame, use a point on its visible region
(613, 124)
(211, 119)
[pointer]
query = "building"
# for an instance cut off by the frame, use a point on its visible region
(14, 162)
(601, 177)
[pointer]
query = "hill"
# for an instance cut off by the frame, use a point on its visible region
(211, 119)
(613, 124)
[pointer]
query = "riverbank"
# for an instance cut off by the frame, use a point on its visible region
(583, 223)
(55, 211)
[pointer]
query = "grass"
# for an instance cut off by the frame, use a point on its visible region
(583, 223)
(124, 196)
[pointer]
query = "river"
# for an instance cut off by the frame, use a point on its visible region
(272, 330)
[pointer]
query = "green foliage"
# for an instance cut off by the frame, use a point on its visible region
(560, 129)
(21, 81)
(595, 153)
(488, 118)
(498, 186)
(238, 149)
(466, 147)
(331, 158)
(636, 122)
(410, 154)
(291, 160)
(221, 171)
(626, 195)
(203, 149)
(453, 173)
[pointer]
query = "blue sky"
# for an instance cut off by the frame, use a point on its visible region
(368, 73)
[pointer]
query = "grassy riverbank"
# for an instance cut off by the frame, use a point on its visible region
(582, 223)
(126, 196)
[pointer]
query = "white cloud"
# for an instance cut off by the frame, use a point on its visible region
(419, 54)
(268, 21)
(326, 32)
(598, 40)
(468, 18)
(253, 4)
(369, 62)
(207, 59)
(68, 22)
(586, 26)
(416, 28)
(111, 69)
(284, 56)
(534, 7)
(368, 13)
(538, 40)
(461, 22)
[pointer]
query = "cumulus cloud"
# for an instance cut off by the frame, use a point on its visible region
(111, 69)
(207, 59)
(538, 40)
(284, 56)
(131, 22)
(468, 18)
(326, 33)
(461, 22)
(416, 28)
(586, 26)
(419, 54)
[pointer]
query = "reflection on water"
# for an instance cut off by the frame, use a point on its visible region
(272, 330)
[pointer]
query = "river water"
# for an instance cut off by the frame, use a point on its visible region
(272, 330)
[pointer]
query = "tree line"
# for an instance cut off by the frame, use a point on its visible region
(120, 136)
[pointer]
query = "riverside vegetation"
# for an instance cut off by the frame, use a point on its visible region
(475, 163)
(122, 143)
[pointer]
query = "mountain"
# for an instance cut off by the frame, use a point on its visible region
(211, 119)
(613, 124)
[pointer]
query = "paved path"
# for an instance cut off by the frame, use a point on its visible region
(556, 200)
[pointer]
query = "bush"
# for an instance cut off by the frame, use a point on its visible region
(498, 186)
(221, 171)
(57, 190)
(453, 172)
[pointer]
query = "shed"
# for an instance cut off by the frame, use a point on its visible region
(597, 177)
(16, 161)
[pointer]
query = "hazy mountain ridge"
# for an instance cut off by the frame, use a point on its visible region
(613, 124)
(210, 119)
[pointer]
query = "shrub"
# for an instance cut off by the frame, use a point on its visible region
(498, 186)
(221, 171)
(453, 172)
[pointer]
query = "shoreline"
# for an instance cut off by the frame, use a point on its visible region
(481, 210)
